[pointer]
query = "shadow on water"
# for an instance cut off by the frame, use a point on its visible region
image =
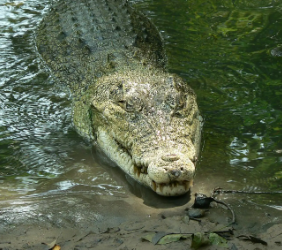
(148, 197)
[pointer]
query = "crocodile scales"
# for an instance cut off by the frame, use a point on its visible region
(112, 59)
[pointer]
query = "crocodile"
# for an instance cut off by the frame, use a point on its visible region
(112, 59)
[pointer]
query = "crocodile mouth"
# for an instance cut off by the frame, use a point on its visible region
(140, 172)
(173, 188)
(138, 167)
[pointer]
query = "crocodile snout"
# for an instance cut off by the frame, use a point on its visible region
(173, 172)
(171, 167)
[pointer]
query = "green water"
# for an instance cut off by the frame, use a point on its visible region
(230, 52)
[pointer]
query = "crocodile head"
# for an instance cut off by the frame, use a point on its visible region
(149, 126)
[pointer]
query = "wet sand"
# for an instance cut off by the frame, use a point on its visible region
(81, 221)
(127, 235)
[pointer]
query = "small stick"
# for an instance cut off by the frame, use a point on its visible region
(228, 207)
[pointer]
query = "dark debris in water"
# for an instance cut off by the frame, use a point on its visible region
(253, 239)
(202, 201)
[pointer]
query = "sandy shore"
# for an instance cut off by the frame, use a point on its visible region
(123, 226)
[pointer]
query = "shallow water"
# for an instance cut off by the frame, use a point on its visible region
(229, 52)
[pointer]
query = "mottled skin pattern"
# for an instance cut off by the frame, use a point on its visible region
(112, 59)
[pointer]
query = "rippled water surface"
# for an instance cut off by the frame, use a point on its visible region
(230, 52)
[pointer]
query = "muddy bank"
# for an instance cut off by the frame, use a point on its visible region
(83, 221)
(128, 235)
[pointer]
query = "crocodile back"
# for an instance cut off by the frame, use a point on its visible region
(83, 40)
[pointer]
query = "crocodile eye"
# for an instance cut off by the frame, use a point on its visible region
(122, 104)
(131, 105)
(180, 109)
(177, 103)
(171, 101)
(177, 113)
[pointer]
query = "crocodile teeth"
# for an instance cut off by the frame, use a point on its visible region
(137, 170)
(137, 162)
(144, 170)
(163, 188)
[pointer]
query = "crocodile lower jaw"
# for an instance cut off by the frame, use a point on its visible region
(164, 189)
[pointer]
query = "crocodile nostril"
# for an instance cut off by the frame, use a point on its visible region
(176, 173)
(170, 157)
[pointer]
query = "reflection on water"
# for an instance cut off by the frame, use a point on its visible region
(230, 52)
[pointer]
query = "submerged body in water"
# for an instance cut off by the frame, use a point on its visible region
(112, 59)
